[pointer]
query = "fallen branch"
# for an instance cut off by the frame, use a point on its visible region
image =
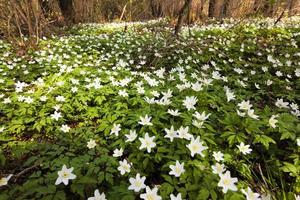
(24, 171)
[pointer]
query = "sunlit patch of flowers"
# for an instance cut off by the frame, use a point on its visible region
(212, 115)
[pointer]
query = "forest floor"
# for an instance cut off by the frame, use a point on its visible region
(135, 112)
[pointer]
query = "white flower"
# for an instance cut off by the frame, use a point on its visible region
(123, 93)
(242, 114)
(230, 95)
(65, 128)
(150, 101)
(218, 156)
(265, 69)
(269, 82)
(56, 107)
(297, 72)
(218, 168)
(183, 132)
(294, 106)
(98, 196)
(118, 152)
(2, 129)
(278, 73)
(91, 144)
(196, 147)
(170, 133)
(147, 142)
(197, 86)
(273, 121)
(281, 104)
(116, 129)
(7, 100)
(174, 112)
(21, 98)
(251, 195)
(227, 183)
(74, 89)
(60, 98)
(150, 194)
(56, 115)
(65, 175)
(155, 93)
(297, 197)
(131, 136)
(177, 169)
(140, 90)
(178, 197)
(43, 98)
(244, 149)
(198, 124)
(28, 100)
(137, 183)
(145, 121)
(4, 180)
(267, 196)
(202, 116)
(245, 105)
(124, 167)
(190, 102)
(251, 114)
(298, 142)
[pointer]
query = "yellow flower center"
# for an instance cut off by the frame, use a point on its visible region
(226, 182)
(177, 170)
(65, 174)
(2, 181)
(194, 147)
(150, 197)
(138, 184)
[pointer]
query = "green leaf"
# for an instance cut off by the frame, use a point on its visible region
(87, 180)
(289, 168)
(109, 178)
(60, 195)
(285, 134)
(203, 194)
(263, 139)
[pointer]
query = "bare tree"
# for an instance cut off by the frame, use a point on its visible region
(211, 8)
(225, 9)
(156, 8)
(291, 7)
(181, 14)
(67, 9)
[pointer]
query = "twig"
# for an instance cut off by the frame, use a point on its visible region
(24, 171)
(281, 15)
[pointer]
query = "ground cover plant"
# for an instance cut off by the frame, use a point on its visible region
(109, 112)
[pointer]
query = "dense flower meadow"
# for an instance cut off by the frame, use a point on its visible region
(109, 112)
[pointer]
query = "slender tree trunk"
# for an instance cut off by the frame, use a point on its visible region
(225, 6)
(211, 8)
(291, 7)
(257, 6)
(156, 8)
(185, 7)
(268, 8)
(67, 9)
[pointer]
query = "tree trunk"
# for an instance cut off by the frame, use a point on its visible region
(201, 10)
(211, 8)
(185, 7)
(156, 9)
(225, 12)
(67, 9)
(268, 8)
(291, 7)
(257, 6)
